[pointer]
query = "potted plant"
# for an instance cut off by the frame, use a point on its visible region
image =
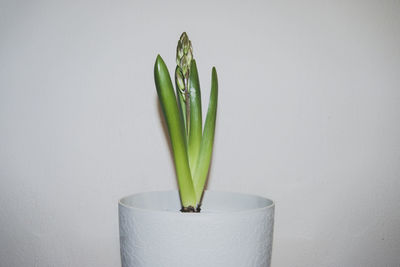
(193, 227)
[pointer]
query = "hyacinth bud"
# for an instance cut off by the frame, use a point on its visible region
(180, 80)
(179, 53)
(184, 54)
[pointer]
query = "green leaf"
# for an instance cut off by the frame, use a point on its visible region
(206, 147)
(176, 132)
(195, 124)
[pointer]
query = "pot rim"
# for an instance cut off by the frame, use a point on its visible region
(270, 205)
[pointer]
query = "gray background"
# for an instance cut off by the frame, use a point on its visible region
(309, 115)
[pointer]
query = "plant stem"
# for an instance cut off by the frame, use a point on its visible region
(180, 97)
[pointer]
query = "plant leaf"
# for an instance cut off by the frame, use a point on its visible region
(195, 124)
(203, 163)
(176, 131)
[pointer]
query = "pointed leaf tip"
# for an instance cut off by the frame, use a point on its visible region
(159, 59)
(159, 62)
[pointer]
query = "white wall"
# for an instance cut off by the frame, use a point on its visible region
(309, 115)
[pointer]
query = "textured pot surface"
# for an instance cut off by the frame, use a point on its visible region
(233, 229)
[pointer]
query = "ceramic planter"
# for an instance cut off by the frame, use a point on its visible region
(232, 230)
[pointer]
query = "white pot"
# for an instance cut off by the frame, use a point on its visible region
(232, 230)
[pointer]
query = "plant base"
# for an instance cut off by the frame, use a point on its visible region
(190, 209)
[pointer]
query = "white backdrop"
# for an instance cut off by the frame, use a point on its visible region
(309, 115)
